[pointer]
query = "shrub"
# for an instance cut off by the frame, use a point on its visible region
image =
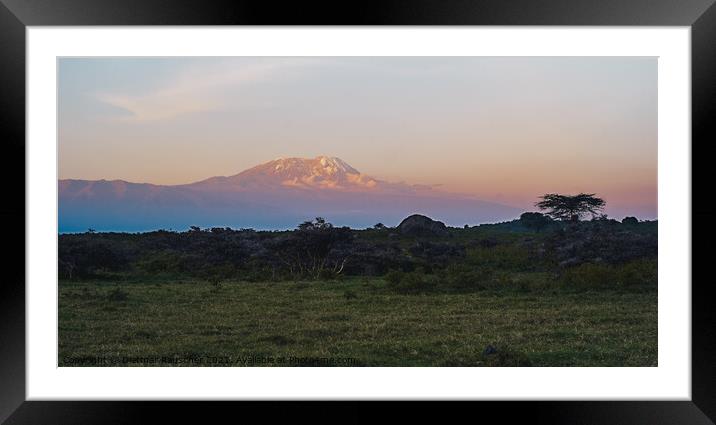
(161, 262)
(410, 283)
(506, 257)
(88, 255)
(65, 269)
(534, 220)
(589, 276)
(394, 277)
(329, 274)
(215, 282)
(518, 282)
(117, 295)
(630, 220)
(600, 275)
(638, 273)
(256, 272)
(463, 278)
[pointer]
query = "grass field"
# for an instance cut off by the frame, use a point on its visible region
(354, 322)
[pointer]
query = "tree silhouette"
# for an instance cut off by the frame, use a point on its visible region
(318, 224)
(534, 220)
(630, 220)
(571, 207)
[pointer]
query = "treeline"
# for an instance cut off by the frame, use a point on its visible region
(318, 250)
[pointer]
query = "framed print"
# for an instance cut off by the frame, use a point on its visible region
(465, 201)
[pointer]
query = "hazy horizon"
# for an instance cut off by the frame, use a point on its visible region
(503, 129)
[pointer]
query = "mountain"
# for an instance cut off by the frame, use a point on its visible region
(275, 195)
(322, 172)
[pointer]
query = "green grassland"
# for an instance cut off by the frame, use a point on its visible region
(355, 321)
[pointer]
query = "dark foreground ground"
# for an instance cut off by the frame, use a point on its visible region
(350, 322)
(520, 293)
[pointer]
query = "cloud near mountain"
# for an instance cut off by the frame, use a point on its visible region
(275, 195)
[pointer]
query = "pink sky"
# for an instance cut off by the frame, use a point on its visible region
(503, 129)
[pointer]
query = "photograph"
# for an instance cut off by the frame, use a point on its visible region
(357, 211)
(214, 206)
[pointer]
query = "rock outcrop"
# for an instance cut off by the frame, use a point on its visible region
(420, 225)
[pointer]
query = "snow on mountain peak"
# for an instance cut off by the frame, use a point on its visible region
(333, 165)
(321, 172)
(318, 166)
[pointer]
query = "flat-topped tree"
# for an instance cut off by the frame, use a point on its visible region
(571, 207)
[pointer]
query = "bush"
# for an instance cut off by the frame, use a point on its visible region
(630, 221)
(215, 282)
(328, 274)
(519, 282)
(89, 255)
(117, 295)
(464, 278)
(264, 275)
(589, 276)
(600, 275)
(506, 257)
(638, 273)
(410, 282)
(394, 277)
(161, 262)
(534, 220)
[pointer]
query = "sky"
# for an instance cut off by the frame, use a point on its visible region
(505, 129)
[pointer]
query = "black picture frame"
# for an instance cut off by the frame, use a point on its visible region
(16, 15)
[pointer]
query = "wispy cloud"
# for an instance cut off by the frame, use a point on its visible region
(194, 90)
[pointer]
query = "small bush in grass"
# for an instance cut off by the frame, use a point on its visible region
(464, 278)
(118, 295)
(215, 282)
(410, 282)
(638, 273)
(327, 274)
(589, 276)
(257, 273)
(598, 275)
(521, 282)
(394, 277)
(87, 294)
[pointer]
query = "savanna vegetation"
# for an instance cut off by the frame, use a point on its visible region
(544, 290)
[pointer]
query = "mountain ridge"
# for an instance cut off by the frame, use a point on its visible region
(275, 194)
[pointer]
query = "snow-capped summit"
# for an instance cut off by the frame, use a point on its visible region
(333, 165)
(318, 166)
(321, 172)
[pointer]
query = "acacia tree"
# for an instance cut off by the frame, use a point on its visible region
(571, 207)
